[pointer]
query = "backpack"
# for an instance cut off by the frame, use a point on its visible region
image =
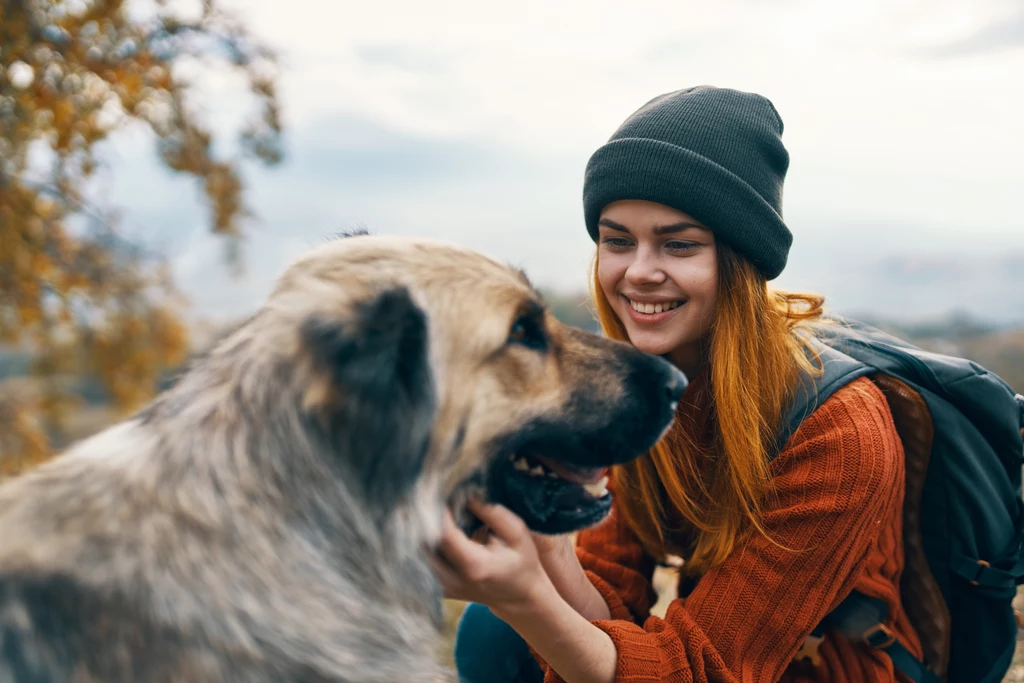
(962, 430)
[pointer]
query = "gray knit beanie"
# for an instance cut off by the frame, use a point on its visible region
(713, 153)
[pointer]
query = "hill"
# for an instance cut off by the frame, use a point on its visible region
(998, 347)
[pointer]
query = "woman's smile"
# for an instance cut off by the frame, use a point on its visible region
(648, 311)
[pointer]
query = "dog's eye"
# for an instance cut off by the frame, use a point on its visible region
(526, 331)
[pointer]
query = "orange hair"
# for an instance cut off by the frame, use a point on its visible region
(715, 491)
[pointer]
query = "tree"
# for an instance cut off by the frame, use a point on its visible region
(76, 292)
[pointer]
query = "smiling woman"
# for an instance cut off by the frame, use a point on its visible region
(658, 270)
(684, 204)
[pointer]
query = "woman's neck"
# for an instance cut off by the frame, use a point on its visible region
(690, 358)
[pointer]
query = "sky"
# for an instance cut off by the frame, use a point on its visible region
(473, 122)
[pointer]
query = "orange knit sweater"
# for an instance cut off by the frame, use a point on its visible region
(838, 502)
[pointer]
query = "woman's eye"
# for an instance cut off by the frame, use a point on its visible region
(526, 332)
(616, 242)
(677, 245)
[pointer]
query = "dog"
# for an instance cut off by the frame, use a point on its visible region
(268, 517)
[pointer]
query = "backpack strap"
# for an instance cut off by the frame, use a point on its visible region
(837, 370)
(862, 619)
(1020, 407)
(858, 617)
(989, 580)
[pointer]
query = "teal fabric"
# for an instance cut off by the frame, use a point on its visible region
(487, 650)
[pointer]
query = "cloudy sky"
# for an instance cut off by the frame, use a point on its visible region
(473, 121)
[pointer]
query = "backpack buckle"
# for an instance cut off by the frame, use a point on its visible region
(879, 637)
(982, 566)
(809, 650)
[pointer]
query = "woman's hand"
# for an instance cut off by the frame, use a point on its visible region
(502, 571)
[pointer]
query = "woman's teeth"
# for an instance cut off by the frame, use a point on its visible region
(654, 308)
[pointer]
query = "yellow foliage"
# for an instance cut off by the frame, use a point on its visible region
(23, 443)
(86, 301)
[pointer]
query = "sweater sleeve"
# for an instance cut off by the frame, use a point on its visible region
(835, 482)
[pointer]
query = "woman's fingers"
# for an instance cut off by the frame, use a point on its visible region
(504, 570)
(467, 558)
(449, 574)
(504, 523)
(481, 535)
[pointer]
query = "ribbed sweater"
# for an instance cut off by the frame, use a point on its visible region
(836, 505)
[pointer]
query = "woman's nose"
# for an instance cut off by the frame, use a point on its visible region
(644, 270)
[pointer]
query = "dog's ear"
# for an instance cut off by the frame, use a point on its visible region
(378, 404)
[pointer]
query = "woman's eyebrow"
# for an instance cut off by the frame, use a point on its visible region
(678, 227)
(609, 223)
(659, 230)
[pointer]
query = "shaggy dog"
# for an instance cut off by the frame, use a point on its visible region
(268, 517)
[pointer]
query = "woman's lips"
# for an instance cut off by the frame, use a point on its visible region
(643, 318)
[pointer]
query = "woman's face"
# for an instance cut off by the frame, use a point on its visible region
(658, 267)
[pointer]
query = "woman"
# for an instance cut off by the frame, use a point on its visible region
(684, 203)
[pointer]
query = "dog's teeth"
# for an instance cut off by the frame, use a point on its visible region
(521, 465)
(552, 475)
(597, 490)
(537, 471)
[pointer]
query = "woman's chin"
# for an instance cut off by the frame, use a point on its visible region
(654, 344)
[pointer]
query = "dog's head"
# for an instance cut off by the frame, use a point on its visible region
(430, 365)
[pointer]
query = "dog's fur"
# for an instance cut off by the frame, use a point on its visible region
(267, 518)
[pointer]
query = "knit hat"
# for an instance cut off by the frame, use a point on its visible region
(713, 153)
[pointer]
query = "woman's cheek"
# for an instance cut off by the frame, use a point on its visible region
(607, 276)
(700, 278)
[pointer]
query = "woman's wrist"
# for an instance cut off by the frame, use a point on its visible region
(537, 601)
(563, 637)
(574, 585)
(567, 576)
(558, 557)
(580, 595)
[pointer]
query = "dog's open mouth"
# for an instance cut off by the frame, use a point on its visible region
(553, 470)
(593, 480)
(551, 496)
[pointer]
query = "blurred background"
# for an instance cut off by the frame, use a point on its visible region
(162, 161)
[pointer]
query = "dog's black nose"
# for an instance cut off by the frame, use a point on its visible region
(676, 385)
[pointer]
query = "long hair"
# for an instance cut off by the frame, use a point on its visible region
(696, 497)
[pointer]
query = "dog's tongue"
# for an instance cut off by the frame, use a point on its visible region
(577, 475)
